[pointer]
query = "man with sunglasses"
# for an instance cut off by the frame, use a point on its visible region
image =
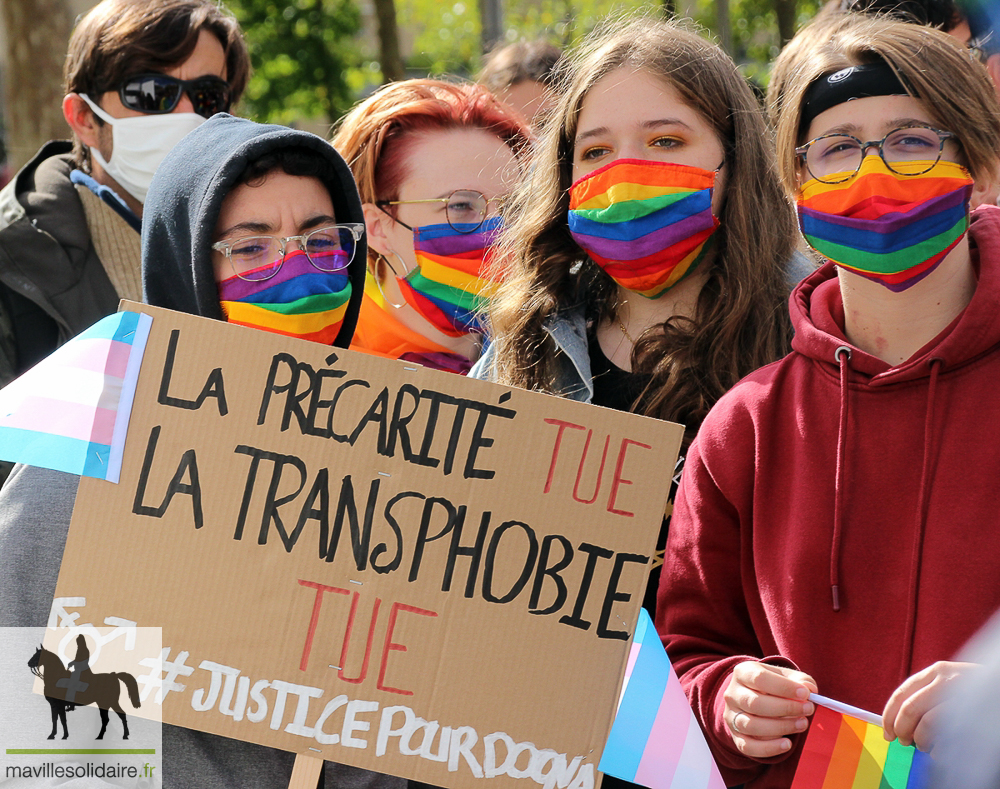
(139, 75)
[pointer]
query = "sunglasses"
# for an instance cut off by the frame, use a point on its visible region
(158, 94)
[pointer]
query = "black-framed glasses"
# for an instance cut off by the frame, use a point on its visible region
(158, 94)
(835, 158)
(257, 258)
(464, 209)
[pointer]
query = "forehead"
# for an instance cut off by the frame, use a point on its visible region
(207, 57)
(440, 161)
(278, 200)
(528, 97)
(870, 117)
(627, 95)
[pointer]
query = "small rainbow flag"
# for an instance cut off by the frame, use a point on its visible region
(844, 752)
(632, 215)
(655, 740)
(450, 284)
(70, 411)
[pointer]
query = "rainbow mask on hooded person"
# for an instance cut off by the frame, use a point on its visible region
(299, 301)
(450, 284)
(892, 228)
(647, 224)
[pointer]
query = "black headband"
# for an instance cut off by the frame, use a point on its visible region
(853, 82)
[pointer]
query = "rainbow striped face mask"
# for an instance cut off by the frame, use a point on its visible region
(299, 301)
(894, 229)
(647, 224)
(449, 286)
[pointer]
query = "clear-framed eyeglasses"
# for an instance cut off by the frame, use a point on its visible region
(257, 258)
(464, 209)
(912, 150)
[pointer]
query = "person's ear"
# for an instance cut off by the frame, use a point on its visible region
(801, 176)
(81, 119)
(985, 189)
(377, 224)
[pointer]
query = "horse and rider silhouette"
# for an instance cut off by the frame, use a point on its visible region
(77, 686)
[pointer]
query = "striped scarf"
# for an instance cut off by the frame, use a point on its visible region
(450, 284)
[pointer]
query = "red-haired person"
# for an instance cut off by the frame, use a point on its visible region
(434, 162)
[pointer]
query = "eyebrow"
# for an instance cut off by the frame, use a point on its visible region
(263, 228)
(854, 129)
(317, 221)
(645, 125)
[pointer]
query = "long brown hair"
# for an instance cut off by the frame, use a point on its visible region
(741, 320)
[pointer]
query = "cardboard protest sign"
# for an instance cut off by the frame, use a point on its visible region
(373, 562)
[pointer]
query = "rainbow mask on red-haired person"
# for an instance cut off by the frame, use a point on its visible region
(451, 283)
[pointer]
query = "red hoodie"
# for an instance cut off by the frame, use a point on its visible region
(774, 518)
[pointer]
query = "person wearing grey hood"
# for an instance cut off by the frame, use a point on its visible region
(240, 220)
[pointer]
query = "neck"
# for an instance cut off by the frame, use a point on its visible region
(893, 326)
(636, 314)
(101, 176)
(466, 345)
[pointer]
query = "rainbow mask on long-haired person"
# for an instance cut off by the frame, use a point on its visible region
(891, 228)
(450, 284)
(299, 301)
(647, 224)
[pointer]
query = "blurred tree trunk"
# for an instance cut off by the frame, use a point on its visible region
(725, 26)
(388, 39)
(785, 11)
(491, 17)
(36, 33)
(669, 9)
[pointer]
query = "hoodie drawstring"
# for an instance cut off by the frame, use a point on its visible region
(842, 356)
(923, 501)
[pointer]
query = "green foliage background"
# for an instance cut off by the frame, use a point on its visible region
(310, 63)
(302, 52)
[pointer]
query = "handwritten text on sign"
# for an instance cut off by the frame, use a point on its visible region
(379, 532)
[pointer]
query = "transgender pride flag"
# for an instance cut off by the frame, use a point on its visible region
(655, 740)
(70, 411)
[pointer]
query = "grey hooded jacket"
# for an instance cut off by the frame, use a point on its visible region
(36, 504)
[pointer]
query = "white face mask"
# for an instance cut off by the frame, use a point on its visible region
(140, 144)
